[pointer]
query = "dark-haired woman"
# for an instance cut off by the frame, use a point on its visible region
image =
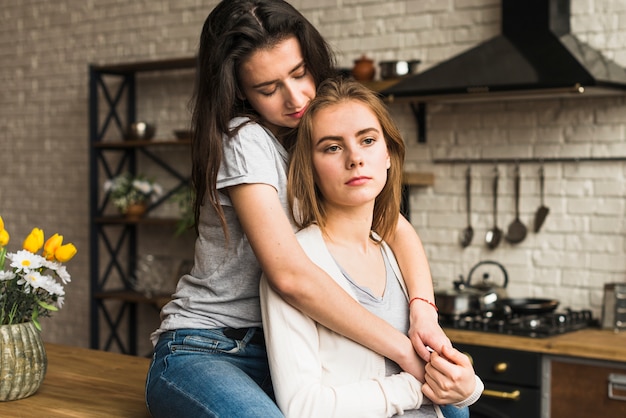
(259, 63)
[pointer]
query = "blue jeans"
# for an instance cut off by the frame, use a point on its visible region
(203, 373)
(451, 411)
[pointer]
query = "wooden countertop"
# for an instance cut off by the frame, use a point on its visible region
(588, 343)
(81, 382)
(85, 383)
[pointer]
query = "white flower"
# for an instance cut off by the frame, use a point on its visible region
(25, 260)
(33, 279)
(143, 186)
(51, 286)
(52, 265)
(63, 274)
(6, 275)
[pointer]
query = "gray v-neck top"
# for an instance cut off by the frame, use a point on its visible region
(393, 307)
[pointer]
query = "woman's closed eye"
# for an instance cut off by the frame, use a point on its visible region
(268, 92)
(300, 72)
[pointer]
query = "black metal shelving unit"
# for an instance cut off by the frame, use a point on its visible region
(113, 238)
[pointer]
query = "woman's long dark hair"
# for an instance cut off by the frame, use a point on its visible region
(231, 33)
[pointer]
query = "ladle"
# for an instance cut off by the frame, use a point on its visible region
(494, 235)
(517, 230)
(468, 233)
(543, 210)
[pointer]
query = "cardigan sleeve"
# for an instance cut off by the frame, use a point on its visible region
(303, 385)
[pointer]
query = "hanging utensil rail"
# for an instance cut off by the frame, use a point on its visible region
(525, 160)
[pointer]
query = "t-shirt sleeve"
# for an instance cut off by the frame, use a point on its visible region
(248, 157)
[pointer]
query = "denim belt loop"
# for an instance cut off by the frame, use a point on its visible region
(252, 335)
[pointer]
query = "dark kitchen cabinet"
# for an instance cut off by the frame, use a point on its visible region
(512, 382)
(113, 238)
(586, 388)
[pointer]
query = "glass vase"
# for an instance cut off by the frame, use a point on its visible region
(23, 361)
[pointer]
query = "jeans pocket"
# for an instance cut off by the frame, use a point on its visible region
(217, 343)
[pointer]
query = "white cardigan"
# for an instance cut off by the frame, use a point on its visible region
(319, 373)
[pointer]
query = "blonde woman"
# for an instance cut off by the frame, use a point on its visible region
(345, 183)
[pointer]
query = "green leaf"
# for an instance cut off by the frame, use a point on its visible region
(47, 306)
(34, 317)
(3, 253)
(37, 324)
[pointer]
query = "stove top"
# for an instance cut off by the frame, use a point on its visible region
(536, 326)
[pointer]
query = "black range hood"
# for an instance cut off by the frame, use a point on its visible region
(535, 56)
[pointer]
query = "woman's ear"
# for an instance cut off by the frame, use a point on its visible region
(388, 163)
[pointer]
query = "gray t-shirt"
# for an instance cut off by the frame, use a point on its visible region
(222, 289)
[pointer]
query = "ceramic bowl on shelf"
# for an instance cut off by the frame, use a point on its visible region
(182, 134)
(395, 69)
(140, 131)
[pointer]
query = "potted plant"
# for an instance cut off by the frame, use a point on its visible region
(30, 289)
(184, 199)
(131, 194)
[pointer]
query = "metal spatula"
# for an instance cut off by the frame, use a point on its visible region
(543, 210)
(468, 232)
(517, 230)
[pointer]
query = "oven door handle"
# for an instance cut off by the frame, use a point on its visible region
(617, 386)
(513, 396)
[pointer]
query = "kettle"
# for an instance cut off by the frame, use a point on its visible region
(468, 298)
(490, 293)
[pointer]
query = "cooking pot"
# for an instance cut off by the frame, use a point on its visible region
(458, 301)
(467, 298)
(395, 69)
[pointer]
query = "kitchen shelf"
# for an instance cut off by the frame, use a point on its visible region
(380, 85)
(132, 296)
(167, 64)
(146, 220)
(413, 179)
(143, 143)
(114, 239)
(419, 179)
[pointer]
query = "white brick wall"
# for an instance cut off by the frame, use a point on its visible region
(46, 46)
(45, 49)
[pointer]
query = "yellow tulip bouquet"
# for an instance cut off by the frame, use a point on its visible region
(33, 286)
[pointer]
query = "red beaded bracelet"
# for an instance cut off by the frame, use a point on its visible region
(423, 300)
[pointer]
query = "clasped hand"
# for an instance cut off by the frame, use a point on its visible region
(449, 376)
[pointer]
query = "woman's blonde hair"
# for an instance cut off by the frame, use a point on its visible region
(304, 196)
